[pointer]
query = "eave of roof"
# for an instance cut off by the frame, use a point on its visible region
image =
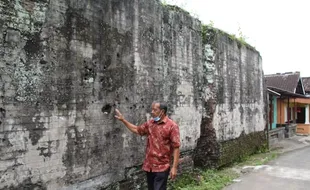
(273, 92)
(285, 93)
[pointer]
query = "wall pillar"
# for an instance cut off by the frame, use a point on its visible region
(295, 111)
(289, 111)
(285, 114)
(307, 115)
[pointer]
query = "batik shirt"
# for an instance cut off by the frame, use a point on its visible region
(162, 138)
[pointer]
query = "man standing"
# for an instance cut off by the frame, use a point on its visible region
(163, 142)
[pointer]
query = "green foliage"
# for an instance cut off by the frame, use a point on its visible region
(258, 159)
(208, 33)
(242, 38)
(174, 2)
(206, 30)
(177, 9)
(204, 33)
(186, 179)
(201, 180)
(211, 24)
(263, 149)
(164, 2)
(266, 159)
(174, 6)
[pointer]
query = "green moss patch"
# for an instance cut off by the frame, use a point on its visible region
(199, 179)
(240, 148)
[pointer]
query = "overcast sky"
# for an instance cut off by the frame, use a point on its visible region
(279, 29)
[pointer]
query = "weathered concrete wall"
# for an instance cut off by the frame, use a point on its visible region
(240, 100)
(65, 66)
(235, 118)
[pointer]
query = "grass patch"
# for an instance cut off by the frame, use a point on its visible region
(259, 159)
(201, 180)
(218, 179)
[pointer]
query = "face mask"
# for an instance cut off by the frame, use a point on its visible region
(158, 117)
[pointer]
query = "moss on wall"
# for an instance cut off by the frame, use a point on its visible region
(134, 179)
(175, 8)
(207, 30)
(210, 151)
(238, 149)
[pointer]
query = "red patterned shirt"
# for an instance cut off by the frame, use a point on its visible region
(162, 138)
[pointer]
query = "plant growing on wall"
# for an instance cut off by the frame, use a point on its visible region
(178, 5)
(211, 24)
(241, 37)
(174, 2)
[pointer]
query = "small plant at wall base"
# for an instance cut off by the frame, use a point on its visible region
(199, 179)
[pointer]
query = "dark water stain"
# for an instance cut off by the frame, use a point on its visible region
(2, 115)
(33, 44)
(27, 184)
(35, 128)
(114, 46)
(77, 153)
(46, 151)
(75, 22)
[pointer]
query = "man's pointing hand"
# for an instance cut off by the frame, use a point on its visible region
(118, 115)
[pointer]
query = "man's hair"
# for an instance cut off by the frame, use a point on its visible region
(163, 106)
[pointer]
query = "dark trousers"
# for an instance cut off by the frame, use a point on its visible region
(157, 180)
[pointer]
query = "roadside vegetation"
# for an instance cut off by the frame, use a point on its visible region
(199, 179)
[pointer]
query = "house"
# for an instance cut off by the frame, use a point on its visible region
(289, 102)
(306, 83)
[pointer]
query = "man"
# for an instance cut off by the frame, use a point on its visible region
(163, 142)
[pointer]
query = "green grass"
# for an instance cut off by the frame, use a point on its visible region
(257, 159)
(201, 180)
(218, 179)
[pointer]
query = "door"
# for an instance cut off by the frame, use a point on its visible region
(301, 115)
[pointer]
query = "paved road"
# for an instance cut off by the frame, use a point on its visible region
(291, 171)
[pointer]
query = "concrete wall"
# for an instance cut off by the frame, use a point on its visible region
(276, 135)
(234, 100)
(239, 81)
(65, 66)
(303, 129)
